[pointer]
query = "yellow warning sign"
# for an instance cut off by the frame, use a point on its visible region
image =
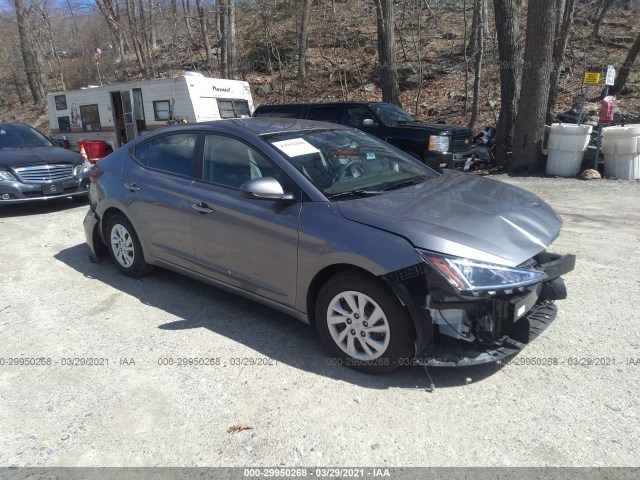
(591, 78)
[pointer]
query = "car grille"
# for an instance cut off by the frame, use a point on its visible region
(44, 173)
(462, 141)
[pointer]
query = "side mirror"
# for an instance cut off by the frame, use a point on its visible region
(265, 188)
(368, 122)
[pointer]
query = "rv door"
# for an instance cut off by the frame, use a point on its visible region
(127, 113)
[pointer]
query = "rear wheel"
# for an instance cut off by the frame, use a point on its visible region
(125, 248)
(363, 324)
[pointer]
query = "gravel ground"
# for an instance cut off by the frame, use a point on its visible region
(134, 412)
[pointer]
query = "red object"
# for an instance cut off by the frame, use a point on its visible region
(95, 173)
(82, 144)
(607, 107)
(95, 149)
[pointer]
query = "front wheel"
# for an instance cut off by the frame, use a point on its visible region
(125, 248)
(363, 324)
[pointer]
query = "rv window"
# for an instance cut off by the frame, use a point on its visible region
(61, 102)
(90, 118)
(63, 124)
(162, 110)
(233, 108)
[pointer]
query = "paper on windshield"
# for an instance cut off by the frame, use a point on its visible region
(295, 147)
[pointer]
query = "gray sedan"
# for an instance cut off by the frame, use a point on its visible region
(393, 263)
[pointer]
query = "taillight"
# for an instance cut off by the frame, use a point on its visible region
(95, 172)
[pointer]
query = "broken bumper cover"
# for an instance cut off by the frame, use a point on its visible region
(492, 327)
(91, 226)
(453, 354)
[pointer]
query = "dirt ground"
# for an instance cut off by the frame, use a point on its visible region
(270, 372)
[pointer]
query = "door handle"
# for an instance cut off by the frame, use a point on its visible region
(132, 187)
(201, 207)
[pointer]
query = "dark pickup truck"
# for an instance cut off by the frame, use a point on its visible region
(435, 144)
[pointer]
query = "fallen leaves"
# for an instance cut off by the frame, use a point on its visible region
(238, 428)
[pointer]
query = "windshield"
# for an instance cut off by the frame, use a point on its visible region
(342, 161)
(22, 136)
(390, 114)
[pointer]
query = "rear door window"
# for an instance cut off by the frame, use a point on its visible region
(170, 153)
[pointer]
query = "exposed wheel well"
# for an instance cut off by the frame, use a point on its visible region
(321, 278)
(109, 212)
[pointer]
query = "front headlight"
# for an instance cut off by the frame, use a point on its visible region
(470, 275)
(439, 143)
(4, 175)
(80, 170)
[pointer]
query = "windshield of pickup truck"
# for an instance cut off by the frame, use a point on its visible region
(390, 114)
(345, 163)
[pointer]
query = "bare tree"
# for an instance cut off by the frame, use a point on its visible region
(228, 55)
(110, 10)
(623, 74)
(532, 107)
(387, 52)
(30, 54)
(202, 20)
(564, 21)
(508, 33)
(303, 41)
(607, 4)
(479, 22)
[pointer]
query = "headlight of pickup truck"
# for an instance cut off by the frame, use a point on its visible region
(4, 175)
(439, 143)
(471, 275)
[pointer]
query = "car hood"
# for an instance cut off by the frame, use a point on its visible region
(462, 215)
(19, 157)
(440, 128)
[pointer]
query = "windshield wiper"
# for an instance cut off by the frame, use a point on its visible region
(403, 183)
(354, 193)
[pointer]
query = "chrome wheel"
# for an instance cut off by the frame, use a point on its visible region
(358, 325)
(122, 246)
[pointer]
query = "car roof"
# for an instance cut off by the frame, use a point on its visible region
(266, 125)
(322, 104)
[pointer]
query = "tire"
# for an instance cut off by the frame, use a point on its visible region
(124, 247)
(377, 351)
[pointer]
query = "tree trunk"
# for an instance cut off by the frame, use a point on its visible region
(532, 106)
(623, 74)
(135, 39)
(564, 21)
(224, 54)
(186, 9)
(479, 43)
(30, 57)
(387, 52)
(605, 8)
(303, 41)
(112, 17)
(202, 19)
(508, 33)
(232, 57)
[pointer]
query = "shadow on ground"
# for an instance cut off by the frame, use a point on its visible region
(267, 331)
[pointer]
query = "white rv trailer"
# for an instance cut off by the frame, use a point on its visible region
(119, 113)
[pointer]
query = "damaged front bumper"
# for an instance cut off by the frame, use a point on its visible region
(456, 328)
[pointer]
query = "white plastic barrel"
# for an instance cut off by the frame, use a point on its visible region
(621, 150)
(566, 147)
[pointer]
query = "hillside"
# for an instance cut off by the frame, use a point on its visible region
(342, 60)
